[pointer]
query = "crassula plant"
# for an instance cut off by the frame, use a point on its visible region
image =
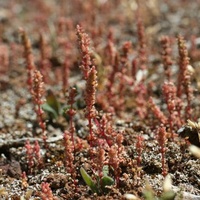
(94, 99)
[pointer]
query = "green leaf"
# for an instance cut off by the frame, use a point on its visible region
(88, 180)
(105, 170)
(53, 102)
(52, 106)
(47, 108)
(149, 193)
(169, 195)
(106, 181)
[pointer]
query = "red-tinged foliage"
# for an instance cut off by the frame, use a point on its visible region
(166, 56)
(44, 58)
(161, 137)
(38, 99)
(157, 112)
(84, 46)
(34, 159)
(69, 154)
(184, 79)
(71, 112)
(29, 59)
(46, 193)
(108, 99)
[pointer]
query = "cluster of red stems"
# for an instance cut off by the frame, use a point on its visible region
(106, 144)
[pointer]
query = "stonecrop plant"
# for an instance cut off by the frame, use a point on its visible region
(94, 99)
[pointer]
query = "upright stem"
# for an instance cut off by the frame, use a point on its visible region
(90, 131)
